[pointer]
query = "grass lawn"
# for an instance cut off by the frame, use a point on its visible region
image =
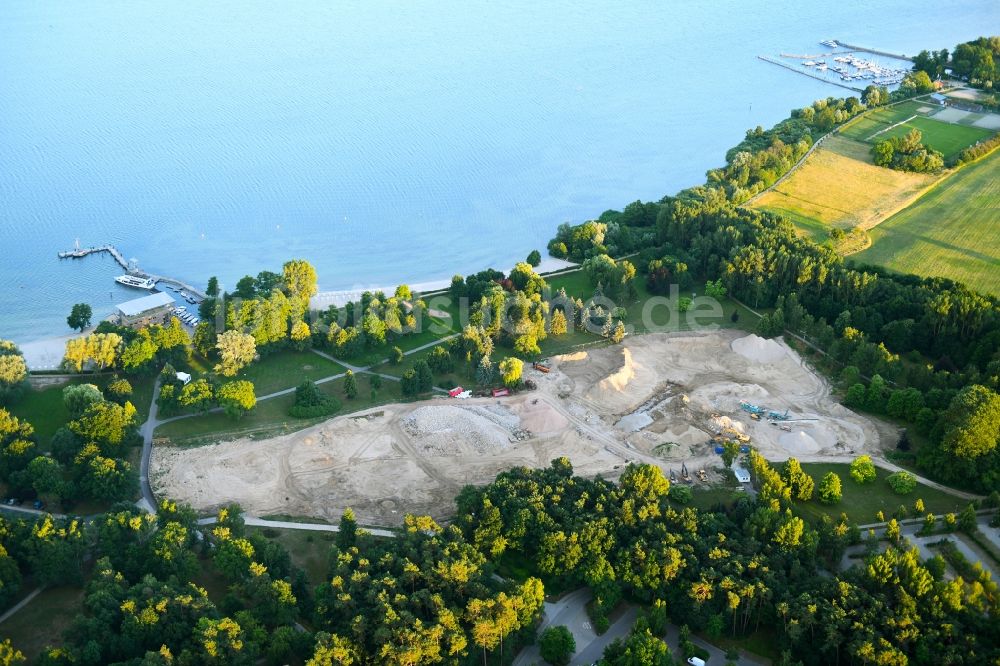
(44, 409)
(762, 642)
(880, 119)
(839, 186)
(952, 231)
(310, 551)
(861, 503)
(42, 622)
(287, 369)
(270, 417)
(949, 138)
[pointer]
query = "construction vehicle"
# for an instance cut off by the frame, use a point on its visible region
(751, 408)
(778, 416)
(702, 476)
(733, 433)
(755, 417)
(541, 367)
(673, 476)
(685, 477)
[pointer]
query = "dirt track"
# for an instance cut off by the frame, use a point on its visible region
(656, 399)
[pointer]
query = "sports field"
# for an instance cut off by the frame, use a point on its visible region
(948, 138)
(839, 186)
(952, 231)
(877, 121)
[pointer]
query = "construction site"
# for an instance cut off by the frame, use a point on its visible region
(672, 400)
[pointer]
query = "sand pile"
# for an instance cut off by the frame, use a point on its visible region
(449, 430)
(759, 350)
(618, 381)
(797, 443)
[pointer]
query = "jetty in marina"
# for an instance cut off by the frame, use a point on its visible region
(131, 267)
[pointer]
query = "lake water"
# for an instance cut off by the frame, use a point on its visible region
(381, 140)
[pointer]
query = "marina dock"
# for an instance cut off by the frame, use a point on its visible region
(81, 252)
(887, 54)
(775, 61)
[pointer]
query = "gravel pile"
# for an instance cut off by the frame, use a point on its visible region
(448, 430)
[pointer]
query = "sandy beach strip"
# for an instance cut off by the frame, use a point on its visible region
(47, 354)
(325, 299)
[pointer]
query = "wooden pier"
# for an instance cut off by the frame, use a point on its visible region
(80, 252)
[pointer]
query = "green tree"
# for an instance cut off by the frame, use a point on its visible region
(830, 491)
(863, 470)
(510, 371)
(802, 484)
(558, 324)
(299, 279)
(967, 519)
(119, 390)
(408, 382)
(300, 335)
(236, 351)
(396, 355)
(557, 645)
(79, 317)
(347, 535)
(236, 397)
(350, 385)
(197, 394)
(46, 475)
(213, 287)
(534, 258)
(9, 655)
(79, 397)
(107, 423)
(971, 423)
(13, 372)
(425, 378)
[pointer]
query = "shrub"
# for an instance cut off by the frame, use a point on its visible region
(863, 470)
(902, 482)
(311, 403)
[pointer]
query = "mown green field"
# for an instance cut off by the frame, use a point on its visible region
(862, 502)
(867, 125)
(948, 138)
(952, 231)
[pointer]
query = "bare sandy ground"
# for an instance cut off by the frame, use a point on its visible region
(657, 399)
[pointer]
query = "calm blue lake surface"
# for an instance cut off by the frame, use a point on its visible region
(381, 140)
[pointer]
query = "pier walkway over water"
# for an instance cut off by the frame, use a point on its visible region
(80, 252)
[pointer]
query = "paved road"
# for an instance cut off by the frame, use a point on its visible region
(910, 528)
(570, 611)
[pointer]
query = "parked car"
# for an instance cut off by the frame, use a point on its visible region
(12, 501)
(39, 504)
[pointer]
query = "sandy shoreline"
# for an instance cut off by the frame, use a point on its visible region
(47, 354)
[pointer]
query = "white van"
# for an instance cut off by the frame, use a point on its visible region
(696, 661)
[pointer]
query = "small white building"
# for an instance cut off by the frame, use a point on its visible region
(742, 473)
(184, 377)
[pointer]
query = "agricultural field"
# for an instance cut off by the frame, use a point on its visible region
(952, 231)
(839, 186)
